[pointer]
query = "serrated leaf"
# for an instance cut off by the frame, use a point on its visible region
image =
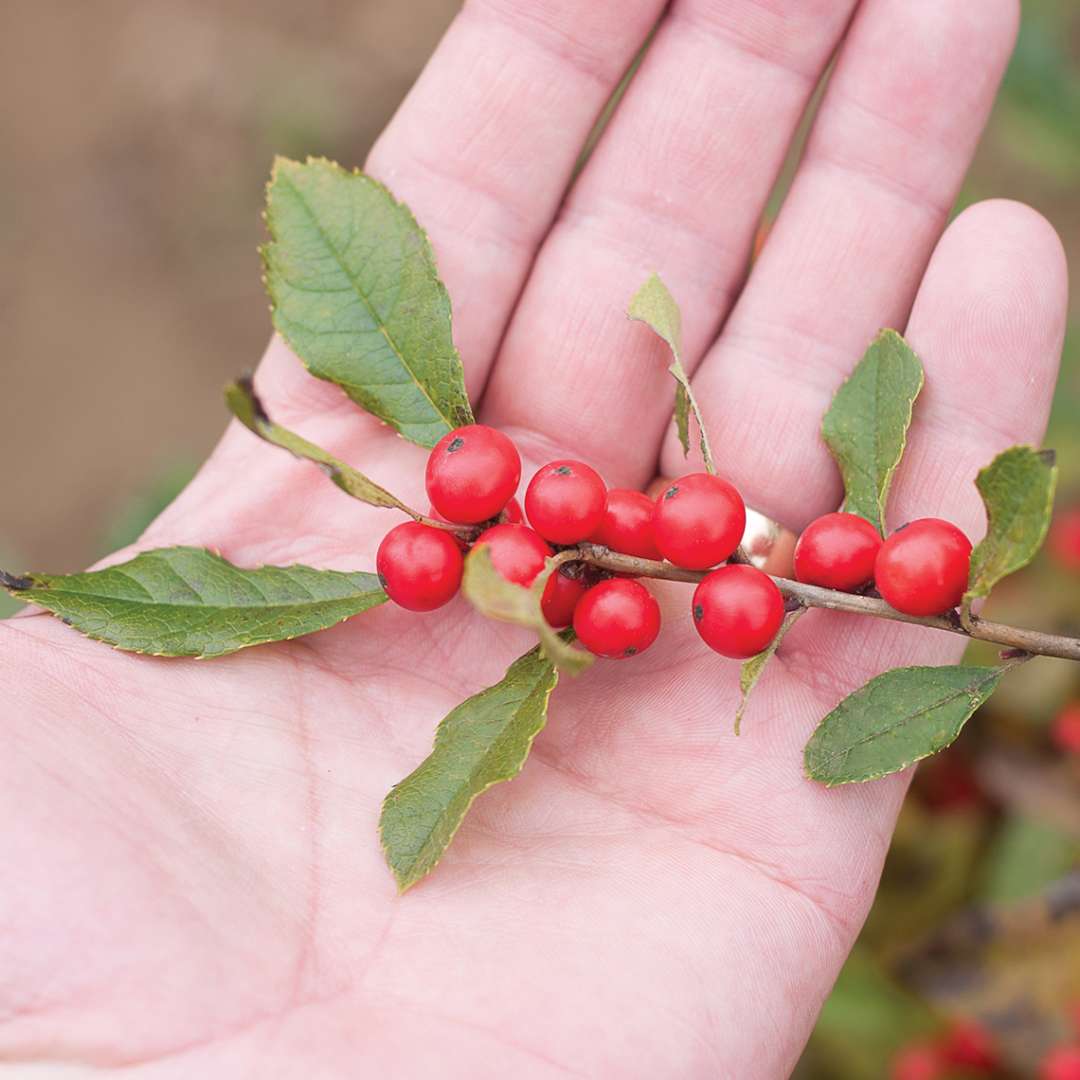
(484, 741)
(1017, 488)
(751, 669)
(867, 423)
(246, 406)
(356, 293)
(895, 720)
(492, 595)
(654, 305)
(186, 601)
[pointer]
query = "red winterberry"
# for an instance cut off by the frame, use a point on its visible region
(737, 610)
(565, 501)
(627, 524)
(512, 513)
(1064, 539)
(472, 474)
(561, 595)
(1062, 1063)
(698, 521)
(616, 618)
(919, 1061)
(922, 568)
(969, 1045)
(837, 551)
(419, 566)
(517, 552)
(1065, 730)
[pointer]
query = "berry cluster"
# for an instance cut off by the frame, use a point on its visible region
(964, 1046)
(696, 523)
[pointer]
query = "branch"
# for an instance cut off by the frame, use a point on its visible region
(1010, 637)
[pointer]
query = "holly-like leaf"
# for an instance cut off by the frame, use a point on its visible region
(752, 668)
(1018, 490)
(482, 742)
(492, 595)
(356, 293)
(867, 423)
(654, 305)
(186, 601)
(895, 720)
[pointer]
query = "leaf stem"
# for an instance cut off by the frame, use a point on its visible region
(1034, 642)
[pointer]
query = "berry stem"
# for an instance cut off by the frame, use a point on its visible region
(1033, 642)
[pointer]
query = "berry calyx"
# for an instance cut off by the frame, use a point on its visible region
(1065, 734)
(561, 595)
(919, 1061)
(419, 566)
(922, 568)
(517, 552)
(627, 525)
(698, 521)
(737, 610)
(472, 474)
(565, 501)
(1061, 1063)
(837, 551)
(617, 618)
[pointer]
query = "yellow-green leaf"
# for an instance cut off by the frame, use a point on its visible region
(356, 293)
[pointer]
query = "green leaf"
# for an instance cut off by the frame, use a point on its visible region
(1026, 856)
(1018, 490)
(895, 720)
(867, 422)
(653, 305)
(482, 742)
(752, 668)
(356, 293)
(246, 406)
(492, 595)
(185, 601)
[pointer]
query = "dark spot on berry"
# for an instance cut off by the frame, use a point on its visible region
(901, 528)
(382, 580)
(563, 470)
(699, 612)
(671, 492)
(455, 444)
(630, 652)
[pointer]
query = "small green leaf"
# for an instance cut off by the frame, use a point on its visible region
(356, 293)
(895, 720)
(245, 405)
(1018, 490)
(653, 305)
(867, 422)
(752, 668)
(482, 742)
(492, 595)
(185, 601)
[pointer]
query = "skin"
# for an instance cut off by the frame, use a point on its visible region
(193, 881)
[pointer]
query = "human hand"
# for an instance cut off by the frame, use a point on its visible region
(194, 881)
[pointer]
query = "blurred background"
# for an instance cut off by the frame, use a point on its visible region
(130, 195)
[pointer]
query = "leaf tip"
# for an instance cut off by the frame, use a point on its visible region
(15, 583)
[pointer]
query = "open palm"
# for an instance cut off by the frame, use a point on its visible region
(194, 885)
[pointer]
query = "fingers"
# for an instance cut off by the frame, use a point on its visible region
(913, 86)
(677, 184)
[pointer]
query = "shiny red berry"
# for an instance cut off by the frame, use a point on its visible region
(627, 526)
(698, 521)
(737, 610)
(837, 551)
(919, 1061)
(517, 552)
(1062, 1063)
(512, 513)
(617, 618)
(970, 1046)
(565, 501)
(561, 595)
(419, 566)
(1065, 731)
(922, 569)
(472, 474)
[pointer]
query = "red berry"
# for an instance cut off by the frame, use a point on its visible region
(737, 610)
(1064, 540)
(517, 552)
(472, 474)
(561, 595)
(1062, 1063)
(419, 566)
(565, 501)
(922, 569)
(919, 1061)
(837, 551)
(698, 521)
(617, 618)
(512, 513)
(627, 524)
(970, 1046)
(1065, 730)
